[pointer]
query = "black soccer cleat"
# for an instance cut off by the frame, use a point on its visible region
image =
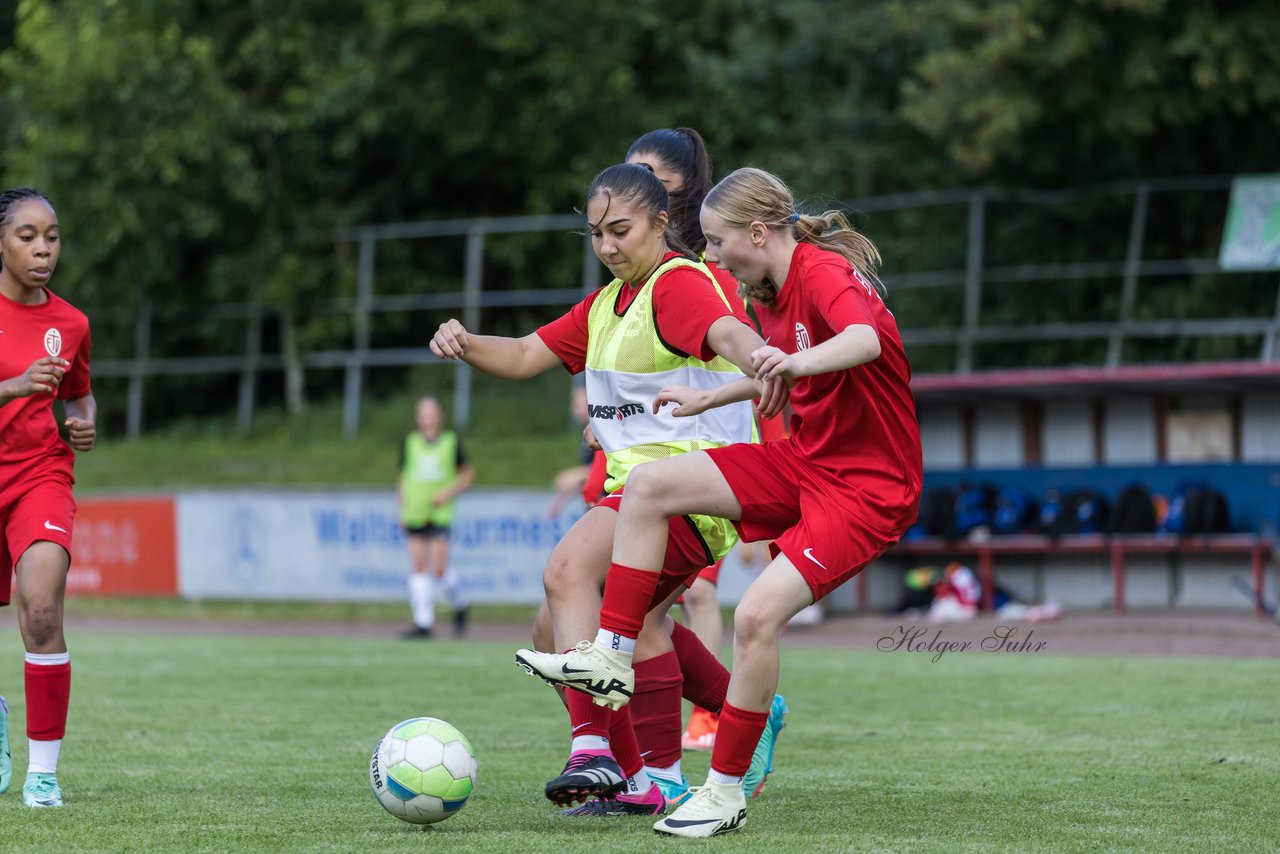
(586, 775)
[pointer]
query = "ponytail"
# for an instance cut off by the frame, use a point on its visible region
(832, 231)
(682, 151)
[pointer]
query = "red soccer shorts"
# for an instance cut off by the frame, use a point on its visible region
(773, 429)
(815, 520)
(686, 551)
(32, 511)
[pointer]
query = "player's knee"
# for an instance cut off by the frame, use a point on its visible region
(700, 596)
(644, 486)
(42, 622)
(562, 575)
(757, 620)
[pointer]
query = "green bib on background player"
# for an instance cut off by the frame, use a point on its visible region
(627, 365)
(428, 468)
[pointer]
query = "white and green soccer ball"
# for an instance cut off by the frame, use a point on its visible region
(423, 770)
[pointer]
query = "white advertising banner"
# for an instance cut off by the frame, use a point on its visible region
(338, 545)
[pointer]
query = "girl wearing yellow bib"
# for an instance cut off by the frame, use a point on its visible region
(433, 472)
(660, 322)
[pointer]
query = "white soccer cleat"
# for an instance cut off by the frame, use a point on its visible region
(605, 674)
(712, 809)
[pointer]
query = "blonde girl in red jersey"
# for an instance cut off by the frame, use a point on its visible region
(44, 354)
(835, 495)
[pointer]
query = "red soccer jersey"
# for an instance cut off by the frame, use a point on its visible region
(28, 429)
(686, 305)
(859, 423)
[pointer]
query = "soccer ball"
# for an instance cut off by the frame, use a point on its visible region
(423, 770)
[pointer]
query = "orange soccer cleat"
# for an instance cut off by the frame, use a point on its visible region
(701, 732)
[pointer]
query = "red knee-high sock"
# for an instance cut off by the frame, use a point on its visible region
(622, 742)
(736, 740)
(627, 594)
(585, 717)
(48, 695)
(706, 679)
(655, 709)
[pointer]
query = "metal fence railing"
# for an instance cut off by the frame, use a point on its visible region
(246, 359)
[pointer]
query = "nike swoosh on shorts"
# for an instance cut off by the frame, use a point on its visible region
(809, 555)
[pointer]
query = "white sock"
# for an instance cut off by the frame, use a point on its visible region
(671, 772)
(452, 585)
(42, 756)
(589, 742)
(420, 600)
(714, 776)
(612, 640)
(639, 783)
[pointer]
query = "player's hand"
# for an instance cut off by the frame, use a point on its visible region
(589, 436)
(689, 401)
(44, 375)
(773, 397)
(450, 340)
(81, 434)
(771, 363)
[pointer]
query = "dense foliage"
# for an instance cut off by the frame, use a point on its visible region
(206, 153)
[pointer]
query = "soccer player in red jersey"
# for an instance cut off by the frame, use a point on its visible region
(44, 354)
(835, 495)
(662, 317)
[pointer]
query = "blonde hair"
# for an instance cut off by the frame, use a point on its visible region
(753, 195)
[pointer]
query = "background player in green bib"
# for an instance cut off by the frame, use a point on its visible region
(433, 472)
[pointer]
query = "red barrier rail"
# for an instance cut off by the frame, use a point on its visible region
(1118, 546)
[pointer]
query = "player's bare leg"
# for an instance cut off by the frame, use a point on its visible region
(772, 599)
(574, 577)
(41, 589)
(688, 483)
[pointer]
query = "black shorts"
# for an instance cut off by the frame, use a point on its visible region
(429, 531)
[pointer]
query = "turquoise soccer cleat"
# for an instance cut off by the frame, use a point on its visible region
(673, 791)
(762, 758)
(6, 761)
(42, 790)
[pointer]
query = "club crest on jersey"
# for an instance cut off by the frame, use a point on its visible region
(52, 342)
(802, 338)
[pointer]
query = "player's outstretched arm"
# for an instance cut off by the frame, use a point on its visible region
(507, 358)
(82, 412)
(736, 341)
(695, 401)
(856, 345)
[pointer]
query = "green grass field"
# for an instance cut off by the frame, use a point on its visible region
(193, 742)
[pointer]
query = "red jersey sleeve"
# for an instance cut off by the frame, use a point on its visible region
(686, 304)
(841, 296)
(566, 336)
(75, 382)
